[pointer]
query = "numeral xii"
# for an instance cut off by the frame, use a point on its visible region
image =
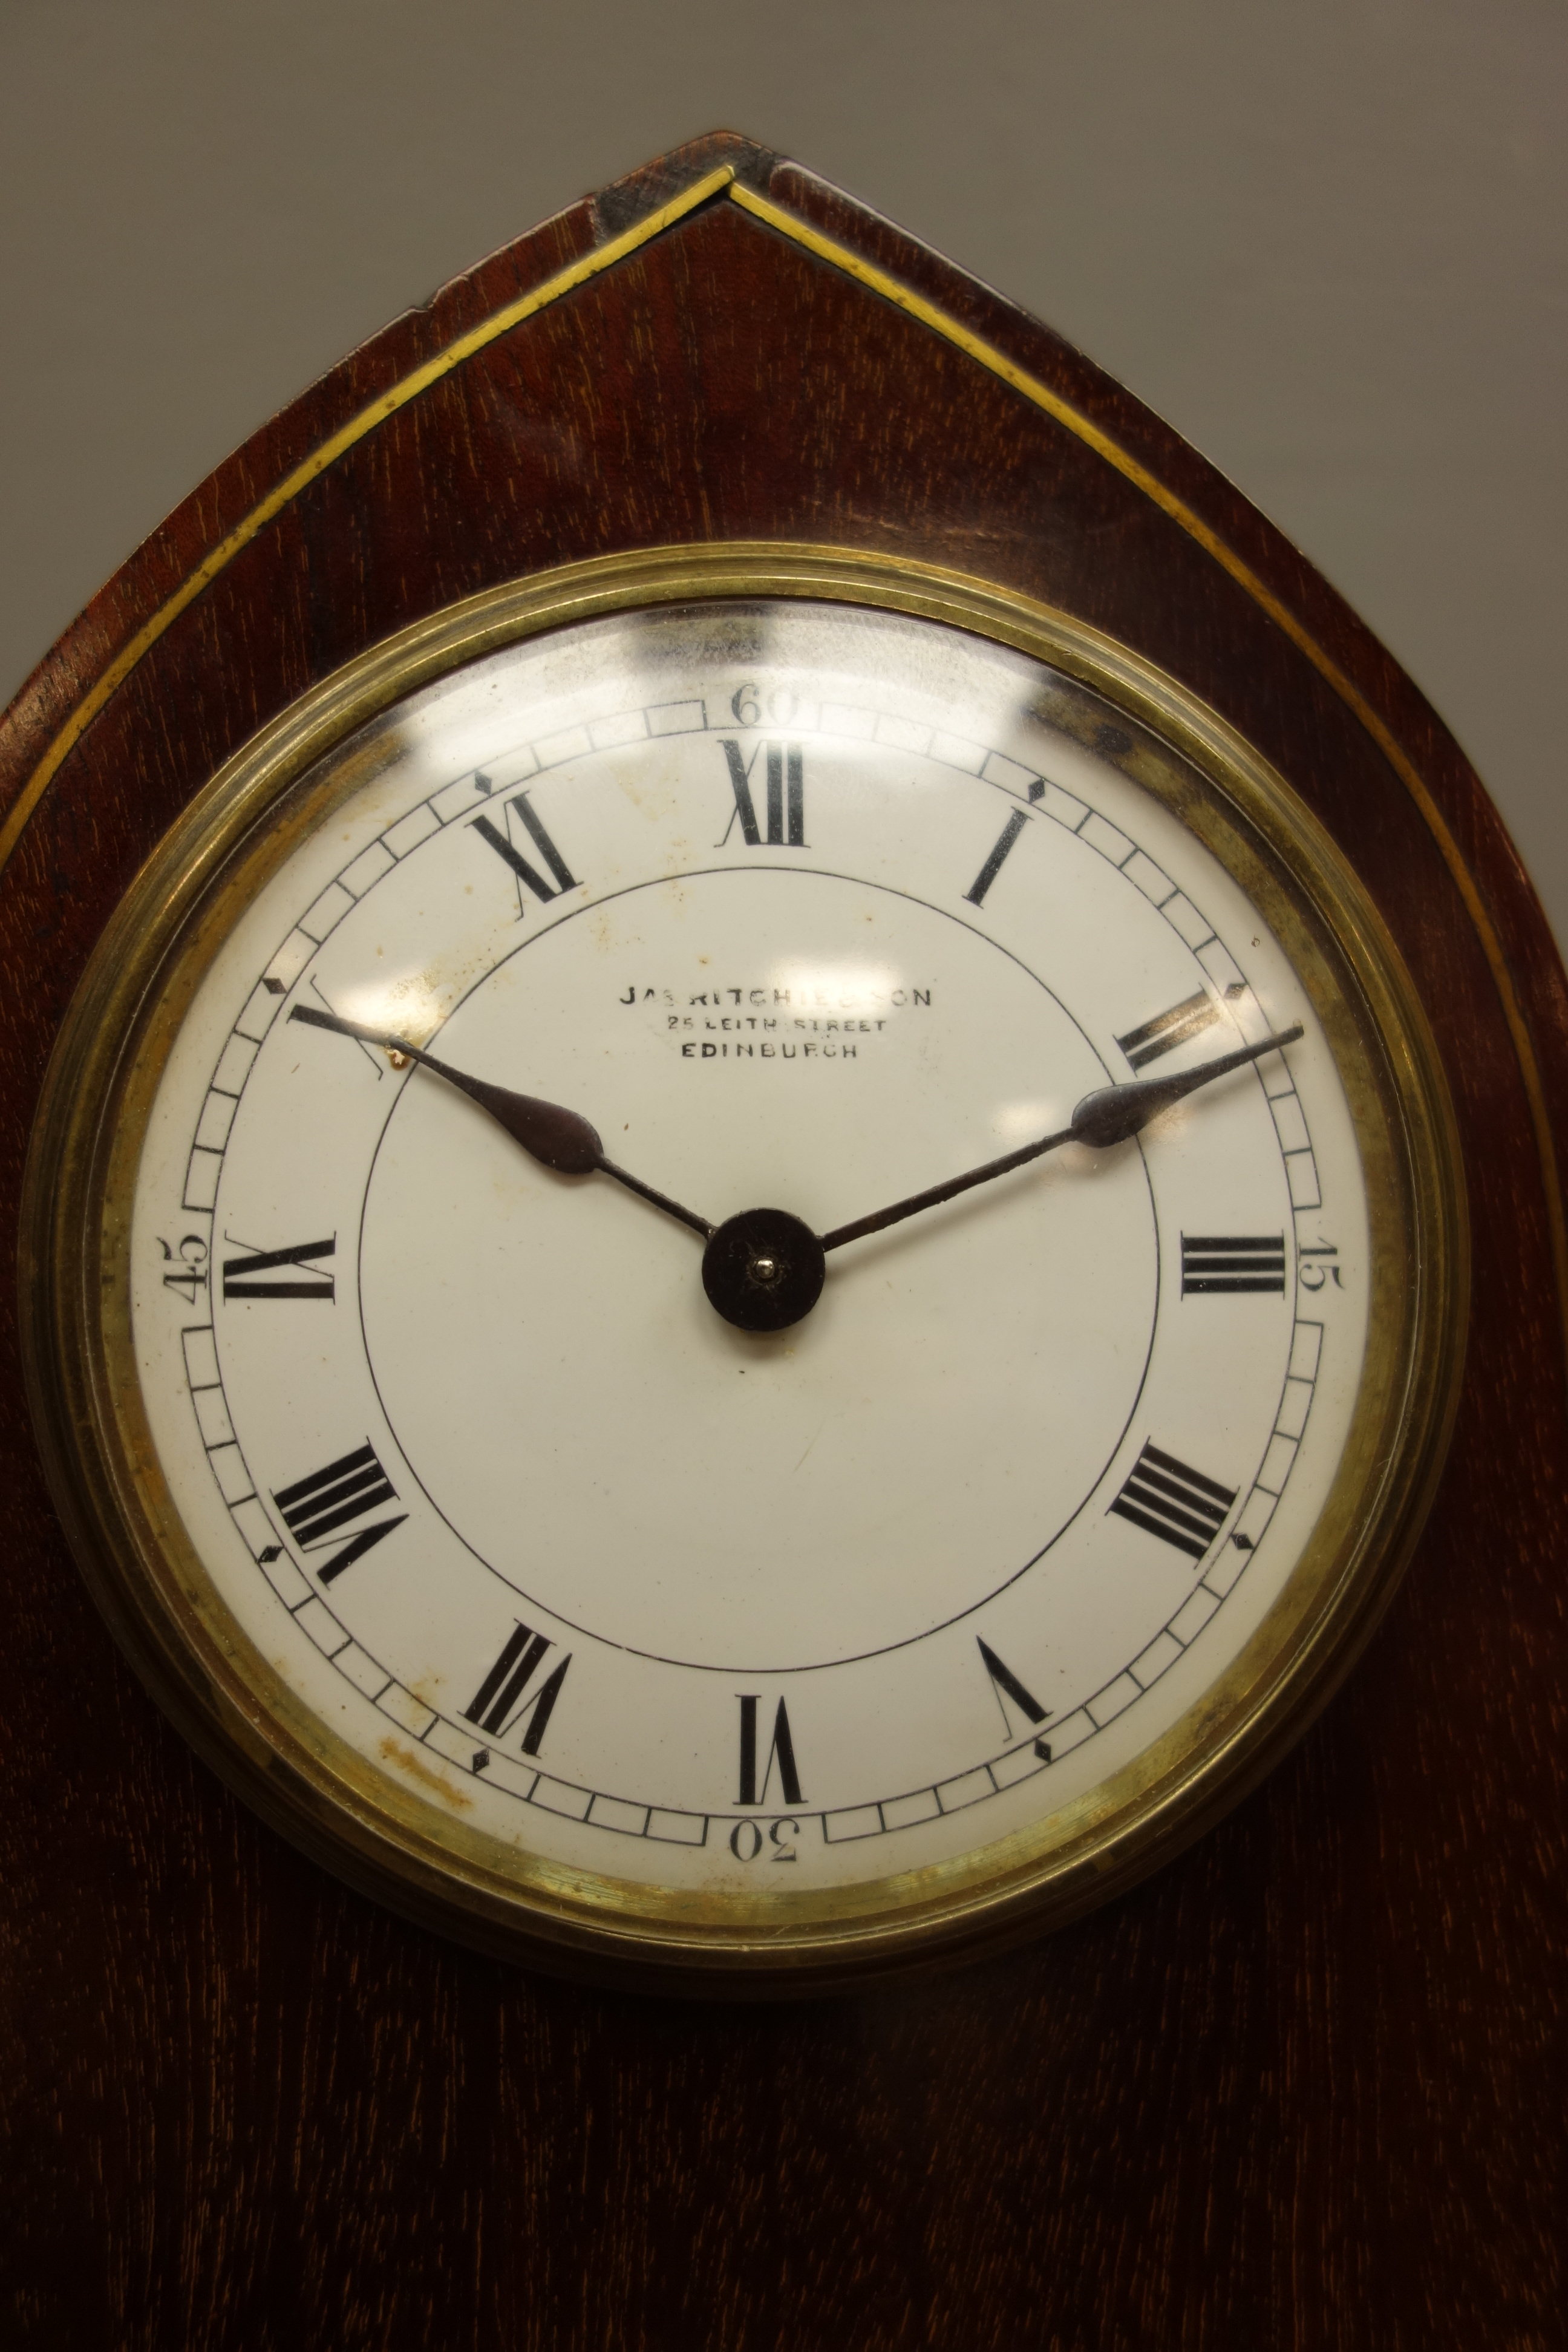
(784, 804)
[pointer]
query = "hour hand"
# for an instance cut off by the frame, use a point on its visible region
(558, 1138)
(1110, 1115)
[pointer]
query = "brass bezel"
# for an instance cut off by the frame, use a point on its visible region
(401, 1846)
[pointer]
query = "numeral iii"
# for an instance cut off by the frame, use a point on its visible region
(1232, 1262)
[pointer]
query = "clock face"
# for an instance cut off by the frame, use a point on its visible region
(689, 1593)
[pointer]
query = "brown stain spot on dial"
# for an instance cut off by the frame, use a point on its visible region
(396, 1753)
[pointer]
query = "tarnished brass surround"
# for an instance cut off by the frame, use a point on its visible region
(367, 1825)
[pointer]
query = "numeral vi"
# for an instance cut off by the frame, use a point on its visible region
(781, 1752)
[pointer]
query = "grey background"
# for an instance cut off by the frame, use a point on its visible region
(1325, 240)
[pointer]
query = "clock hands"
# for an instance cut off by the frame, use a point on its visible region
(558, 1138)
(763, 1269)
(1109, 1115)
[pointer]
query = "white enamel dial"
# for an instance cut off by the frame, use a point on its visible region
(807, 907)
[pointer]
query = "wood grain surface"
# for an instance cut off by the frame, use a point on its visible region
(1306, 2086)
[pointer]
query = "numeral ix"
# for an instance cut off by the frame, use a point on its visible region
(245, 1277)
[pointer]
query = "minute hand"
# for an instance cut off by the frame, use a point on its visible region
(558, 1138)
(1108, 1116)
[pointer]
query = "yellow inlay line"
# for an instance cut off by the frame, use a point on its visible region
(616, 248)
(1086, 430)
(603, 256)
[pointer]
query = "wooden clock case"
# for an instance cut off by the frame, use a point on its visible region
(1295, 2089)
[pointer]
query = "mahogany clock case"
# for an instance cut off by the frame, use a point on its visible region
(724, 348)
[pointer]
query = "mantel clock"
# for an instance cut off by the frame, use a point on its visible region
(745, 1258)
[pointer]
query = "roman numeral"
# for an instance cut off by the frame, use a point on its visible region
(1233, 1262)
(782, 1751)
(1006, 1680)
(498, 1701)
(315, 1507)
(1168, 1029)
(1008, 1683)
(1178, 1505)
(357, 1547)
(783, 770)
(242, 1276)
(500, 839)
(975, 893)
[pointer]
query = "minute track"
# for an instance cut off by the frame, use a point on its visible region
(543, 1376)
